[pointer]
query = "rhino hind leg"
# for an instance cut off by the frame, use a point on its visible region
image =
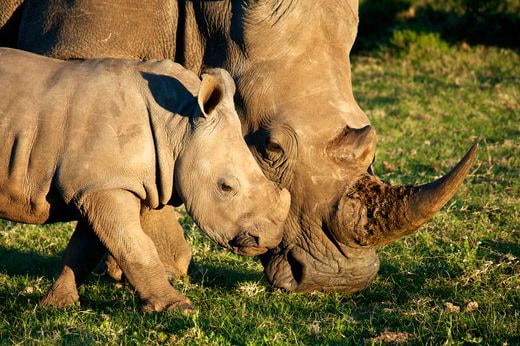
(82, 254)
(168, 236)
(163, 227)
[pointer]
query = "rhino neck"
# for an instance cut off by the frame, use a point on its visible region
(170, 132)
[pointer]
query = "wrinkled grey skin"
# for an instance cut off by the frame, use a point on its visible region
(105, 141)
(290, 62)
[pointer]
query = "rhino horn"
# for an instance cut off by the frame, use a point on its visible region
(374, 213)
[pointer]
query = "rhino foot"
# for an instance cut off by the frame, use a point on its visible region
(64, 292)
(168, 304)
(60, 298)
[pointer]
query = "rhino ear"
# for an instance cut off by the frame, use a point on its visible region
(216, 86)
(210, 95)
(354, 146)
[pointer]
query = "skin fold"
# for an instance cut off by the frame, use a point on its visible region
(106, 141)
(290, 62)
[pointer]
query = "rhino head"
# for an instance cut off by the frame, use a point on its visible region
(219, 181)
(341, 213)
(335, 246)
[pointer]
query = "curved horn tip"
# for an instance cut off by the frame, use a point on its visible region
(459, 172)
(472, 152)
(431, 197)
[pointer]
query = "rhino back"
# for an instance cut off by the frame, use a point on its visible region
(92, 29)
(68, 128)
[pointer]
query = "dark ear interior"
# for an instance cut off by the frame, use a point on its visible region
(214, 99)
(210, 94)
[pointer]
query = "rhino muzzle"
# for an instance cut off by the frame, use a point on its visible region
(255, 239)
(247, 245)
(295, 269)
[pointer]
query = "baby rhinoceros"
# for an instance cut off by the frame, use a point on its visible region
(102, 141)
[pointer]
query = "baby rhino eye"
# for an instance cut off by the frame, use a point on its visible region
(228, 185)
(225, 187)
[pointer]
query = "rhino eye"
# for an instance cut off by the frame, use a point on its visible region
(225, 187)
(228, 186)
(272, 145)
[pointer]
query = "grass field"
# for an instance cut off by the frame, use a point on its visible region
(456, 281)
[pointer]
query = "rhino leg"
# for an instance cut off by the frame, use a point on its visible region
(168, 236)
(83, 252)
(114, 216)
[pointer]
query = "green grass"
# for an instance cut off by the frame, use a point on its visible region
(429, 100)
(489, 22)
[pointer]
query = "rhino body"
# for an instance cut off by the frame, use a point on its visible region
(106, 141)
(290, 62)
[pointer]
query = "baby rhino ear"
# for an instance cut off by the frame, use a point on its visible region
(216, 86)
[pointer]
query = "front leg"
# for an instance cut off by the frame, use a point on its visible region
(114, 215)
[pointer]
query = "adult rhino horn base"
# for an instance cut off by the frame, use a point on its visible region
(373, 213)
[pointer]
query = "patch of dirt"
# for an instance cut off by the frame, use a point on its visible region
(451, 308)
(390, 338)
(471, 306)
(389, 167)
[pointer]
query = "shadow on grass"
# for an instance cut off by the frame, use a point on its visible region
(501, 250)
(382, 101)
(12, 303)
(213, 276)
(407, 285)
(17, 262)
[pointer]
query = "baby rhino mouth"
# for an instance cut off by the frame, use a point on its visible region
(247, 245)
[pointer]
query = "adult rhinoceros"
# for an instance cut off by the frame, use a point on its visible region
(290, 61)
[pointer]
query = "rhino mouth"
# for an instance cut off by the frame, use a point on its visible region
(249, 251)
(246, 244)
(327, 265)
(297, 270)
